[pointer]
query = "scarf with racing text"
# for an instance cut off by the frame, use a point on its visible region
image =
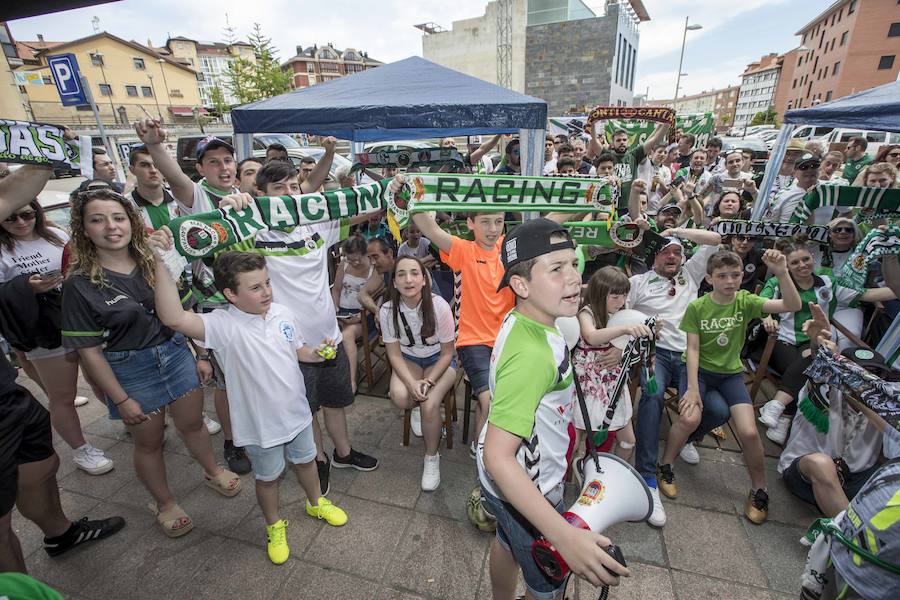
(874, 203)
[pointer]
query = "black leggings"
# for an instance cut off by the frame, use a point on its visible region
(787, 360)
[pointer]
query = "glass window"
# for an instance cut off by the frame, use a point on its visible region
(146, 91)
(844, 37)
(852, 8)
(105, 90)
(138, 63)
(886, 62)
(828, 96)
(96, 60)
(131, 90)
(877, 137)
(894, 30)
(836, 69)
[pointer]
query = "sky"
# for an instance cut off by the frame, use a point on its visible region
(734, 32)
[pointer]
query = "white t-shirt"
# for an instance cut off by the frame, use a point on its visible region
(420, 251)
(784, 203)
(258, 354)
(650, 294)
(645, 172)
(32, 256)
(350, 287)
(298, 268)
(444, 331)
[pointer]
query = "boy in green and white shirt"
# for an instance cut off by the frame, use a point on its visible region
(716, 327)
(522, 447)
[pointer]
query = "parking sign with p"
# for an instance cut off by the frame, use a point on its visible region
(64, 68)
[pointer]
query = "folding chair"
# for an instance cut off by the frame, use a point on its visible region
(373, 352)
(762, 370)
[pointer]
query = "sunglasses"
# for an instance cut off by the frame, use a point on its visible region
(847, 229)
(807, 167)
(26, 216)
(893, 154)
(742, 238)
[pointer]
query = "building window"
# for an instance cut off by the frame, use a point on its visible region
(131, 91)
(105, 90)
(96, 60)
(146, 91)
(844, 37)
(894, 30)
(836, 69)
(852, 8)
(886, 62)
(310, 67)
(828, 96)
(138, 63)
(47, 79)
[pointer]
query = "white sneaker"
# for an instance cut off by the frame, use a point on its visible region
(211, 426)
(658, 516)
(689, 454)
(81, 400)
(91, 460)
(770, 413)
(779, 433)
(473, 450)
(415, 421)
(431, 473)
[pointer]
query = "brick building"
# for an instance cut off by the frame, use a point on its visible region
(317, 64)
(722, 103)
(211, 59)
(851, 46)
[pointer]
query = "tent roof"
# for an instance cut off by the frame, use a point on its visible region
(408, 99)
(876, 109)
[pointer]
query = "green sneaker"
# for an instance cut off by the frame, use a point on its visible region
(277, 547)
(327, 511)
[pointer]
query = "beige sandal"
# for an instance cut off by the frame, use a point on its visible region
(226, 483)
(171, 520)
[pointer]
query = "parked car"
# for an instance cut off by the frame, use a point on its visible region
(56, 208)
(752, 143)
(748, 130)
(186, 151)
(808, 132)
(837, 139)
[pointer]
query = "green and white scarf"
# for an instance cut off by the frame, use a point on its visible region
(873, 203)
(876, 244)
(25, 143)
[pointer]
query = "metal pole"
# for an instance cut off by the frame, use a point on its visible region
(680, 61)
(155, 98)
(106, 142)
(161, 62)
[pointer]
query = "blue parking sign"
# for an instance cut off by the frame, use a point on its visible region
(64, 68)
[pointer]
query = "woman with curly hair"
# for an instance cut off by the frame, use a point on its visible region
(109, 316)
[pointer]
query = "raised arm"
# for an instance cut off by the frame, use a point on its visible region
(483, 149)
(790, 298)
(595, 148)
(320, 173)
(165, 293)
(153, 136)
(21, 187)
(658, 135)
(698, 236)
(638, 187)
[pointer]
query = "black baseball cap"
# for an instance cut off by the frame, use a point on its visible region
(211, 143)
(530, 240)
(867, 358)
(807, 159)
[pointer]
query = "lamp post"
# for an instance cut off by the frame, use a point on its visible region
(681, 58)
(112, 109)
(161, 62)
(155, 99)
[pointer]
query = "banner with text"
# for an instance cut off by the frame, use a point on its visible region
(22, 142)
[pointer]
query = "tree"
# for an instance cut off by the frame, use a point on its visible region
(766, 117)
(250, 80)
(217, 99)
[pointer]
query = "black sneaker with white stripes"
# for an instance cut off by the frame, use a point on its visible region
(81, 532)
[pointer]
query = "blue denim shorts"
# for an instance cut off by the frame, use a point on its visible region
(516, 535)
(476, 362)
(155, 376)
(268, 463)
(428, 360)
(730, 386)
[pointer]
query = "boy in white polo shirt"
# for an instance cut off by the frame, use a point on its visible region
(258, 344)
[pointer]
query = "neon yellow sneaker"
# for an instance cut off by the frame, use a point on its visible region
(277, 547)
(327, 511)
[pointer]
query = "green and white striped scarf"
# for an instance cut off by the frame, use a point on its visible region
(872, 202)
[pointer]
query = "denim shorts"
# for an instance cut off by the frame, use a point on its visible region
(155, 376)
(268, 463)
(428, 360)
(516, 535)
(476, 362)
(731, 386)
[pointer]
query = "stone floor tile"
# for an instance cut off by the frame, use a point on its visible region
(710, 543)
(780, 553)
(438, 557)
(784, 507)
(182, 473)
(75, 506)
(393, 594)
(639, 542)
(701, 486)
(106, 485)
(449, 500)
(238, 570)
(646, 581)
(689, 586)
(213, 511)
(327, 583)
(396, 481)
(367, 544)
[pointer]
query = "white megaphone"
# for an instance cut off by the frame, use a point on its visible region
(614, 494)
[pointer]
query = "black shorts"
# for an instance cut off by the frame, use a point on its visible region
(328, 383)
(798, 485)
(25, 437)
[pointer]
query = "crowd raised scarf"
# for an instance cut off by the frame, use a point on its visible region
(875, 393)
(876, 244)
(642, 113)
(206, 233)
(874, 203)
(404, 159)
(27, 143)
(816, 233)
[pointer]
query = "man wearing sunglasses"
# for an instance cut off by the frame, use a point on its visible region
(806, 176)
(857, 159)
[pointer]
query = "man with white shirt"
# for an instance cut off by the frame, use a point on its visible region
(715, 163)
(806, 176)
(732, 179)
(657, 176)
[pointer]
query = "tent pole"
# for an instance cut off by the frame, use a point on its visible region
(765, 188)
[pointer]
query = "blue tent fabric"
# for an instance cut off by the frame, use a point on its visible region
(409, 99)
(875, 109)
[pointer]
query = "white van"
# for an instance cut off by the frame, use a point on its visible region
(837, 139)
(808, 132)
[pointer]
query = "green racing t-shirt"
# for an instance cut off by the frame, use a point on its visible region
(722, 329)
(532, 398)
(626, 170)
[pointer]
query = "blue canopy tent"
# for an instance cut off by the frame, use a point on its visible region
(875, 109)
(409, 99)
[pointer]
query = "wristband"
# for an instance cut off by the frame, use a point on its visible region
(127, 398)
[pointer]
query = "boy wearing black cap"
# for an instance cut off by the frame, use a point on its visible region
(522, 447)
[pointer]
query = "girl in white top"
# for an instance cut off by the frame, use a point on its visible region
(418, 332)
(350, 277)
(30, 246)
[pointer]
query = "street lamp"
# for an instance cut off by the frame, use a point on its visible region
(155, 99)
(161, 61)
(112, 109)
(681, 58)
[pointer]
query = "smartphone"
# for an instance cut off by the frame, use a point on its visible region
(732, 184)
(56, 274)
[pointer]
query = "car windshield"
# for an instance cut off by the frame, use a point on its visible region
(277, 138)
(751, 143)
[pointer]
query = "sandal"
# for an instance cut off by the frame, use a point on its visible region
(226, 483)
(171, 520)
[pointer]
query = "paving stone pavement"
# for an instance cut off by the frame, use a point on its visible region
(401, 543)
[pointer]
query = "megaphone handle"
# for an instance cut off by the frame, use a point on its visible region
(616, 553)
